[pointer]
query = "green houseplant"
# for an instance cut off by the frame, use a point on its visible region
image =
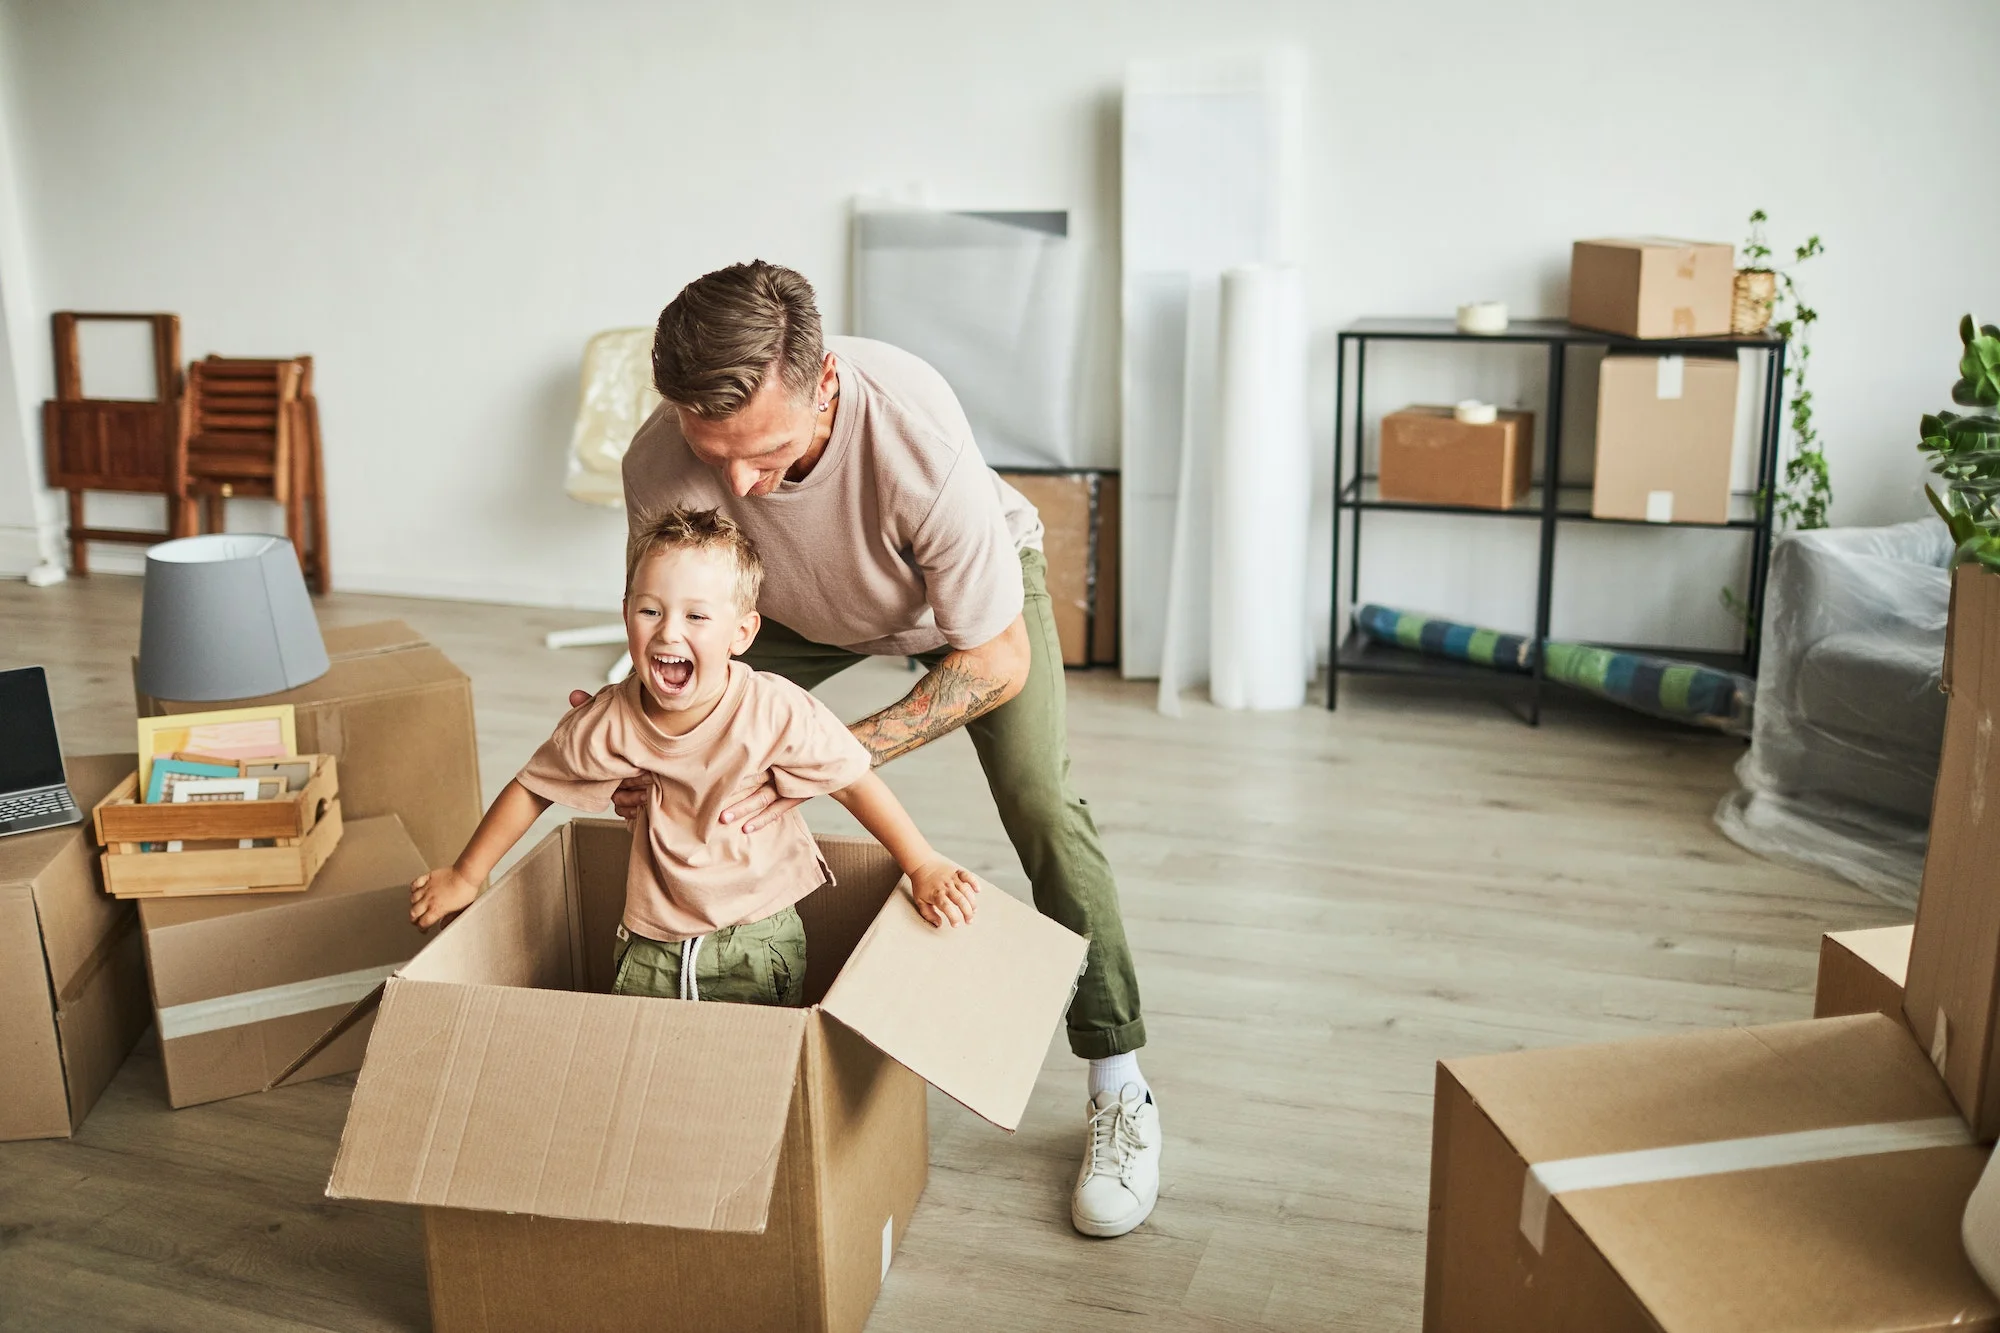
(1964, 449)
(1806, 492)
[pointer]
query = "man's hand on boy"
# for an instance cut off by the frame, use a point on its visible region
(435, 896)
(944, 893)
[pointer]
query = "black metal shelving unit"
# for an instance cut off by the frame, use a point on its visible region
(1550, 506)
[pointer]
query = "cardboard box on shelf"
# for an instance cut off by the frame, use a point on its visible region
(1430, 457)
(1952, 994)
(398, 715)
(1666, 428)
(244, 986)
(1652, 287)
(1808, 1176)
(1861, 972)
(72, 977)
(1080, 540)
(744, 1167)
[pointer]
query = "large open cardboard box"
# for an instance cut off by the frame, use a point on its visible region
(1801, 1176)
(398, 715)
(588, 1160)
(72, 978)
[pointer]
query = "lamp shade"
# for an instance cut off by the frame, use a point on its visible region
(226, 617)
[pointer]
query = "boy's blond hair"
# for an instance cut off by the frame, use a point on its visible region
(681, 529)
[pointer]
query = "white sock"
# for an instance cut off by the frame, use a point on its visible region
(1113, 1072)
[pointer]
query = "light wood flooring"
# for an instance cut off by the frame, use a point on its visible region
(1322, 905)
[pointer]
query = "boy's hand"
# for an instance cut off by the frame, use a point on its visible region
(435, 896)
(944, 893)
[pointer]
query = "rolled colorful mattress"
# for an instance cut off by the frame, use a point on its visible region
(1662, 686)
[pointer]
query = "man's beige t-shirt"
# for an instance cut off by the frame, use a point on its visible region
(690, 873)
(899, 541)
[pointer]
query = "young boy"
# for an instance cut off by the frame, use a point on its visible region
(708, 909)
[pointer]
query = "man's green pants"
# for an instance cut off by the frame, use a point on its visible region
(1023, 746)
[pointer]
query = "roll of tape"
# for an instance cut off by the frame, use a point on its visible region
(1475, 413)
(1483, 317)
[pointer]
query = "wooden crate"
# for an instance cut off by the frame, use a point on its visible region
(303, 827)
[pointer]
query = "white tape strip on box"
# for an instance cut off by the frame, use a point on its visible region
(1650, 1165)
(255, 1006)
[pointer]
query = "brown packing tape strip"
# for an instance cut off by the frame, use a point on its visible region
(380, 650)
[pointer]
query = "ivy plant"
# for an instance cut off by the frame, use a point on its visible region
(1964, 449)
(1806, 491)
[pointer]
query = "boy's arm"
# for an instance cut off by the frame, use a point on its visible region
(943, 892)
(452, 888)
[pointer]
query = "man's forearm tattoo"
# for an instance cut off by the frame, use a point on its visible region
(951, 695)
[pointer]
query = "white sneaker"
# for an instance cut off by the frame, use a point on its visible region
(1120, 1179)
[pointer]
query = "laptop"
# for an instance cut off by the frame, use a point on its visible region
(33, 792)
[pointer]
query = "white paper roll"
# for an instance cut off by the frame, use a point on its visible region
(1259, 645)
(1483, 317)
(1475, 413)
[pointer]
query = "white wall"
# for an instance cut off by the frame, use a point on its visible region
(442, 201)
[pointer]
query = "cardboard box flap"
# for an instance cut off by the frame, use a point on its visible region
(377, 636)
(968, 1009)
(595, 1107)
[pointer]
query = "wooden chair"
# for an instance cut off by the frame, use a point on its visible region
(113, 444)
(252, 430)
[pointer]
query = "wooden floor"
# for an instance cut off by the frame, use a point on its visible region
(1322, 905)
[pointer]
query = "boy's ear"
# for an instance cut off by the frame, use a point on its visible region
(746, 634)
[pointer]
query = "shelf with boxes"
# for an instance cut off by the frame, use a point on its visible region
(1674, 401)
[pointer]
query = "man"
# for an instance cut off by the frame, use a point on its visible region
(884, 533)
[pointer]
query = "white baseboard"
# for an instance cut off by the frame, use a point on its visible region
(20, 551)
(550, 596)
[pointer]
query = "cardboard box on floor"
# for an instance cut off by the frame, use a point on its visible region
(1080, 541)
(1431, 457)
(72, 979)
(1862, 971)
(1952, 993)
(588, 1160)
(245, 985)
(398, 715)
(1652, 287)
(1666, 429)
(1696, 1182)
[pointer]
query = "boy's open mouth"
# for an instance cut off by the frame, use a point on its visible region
(672, 674)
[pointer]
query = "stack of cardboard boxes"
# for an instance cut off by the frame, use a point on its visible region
(1809, 1176)
(244, 986)
(245, 990)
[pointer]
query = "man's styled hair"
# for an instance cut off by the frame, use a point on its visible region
(728, 329)
(698, 530)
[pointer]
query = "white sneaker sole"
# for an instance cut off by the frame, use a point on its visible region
(1118, 1227)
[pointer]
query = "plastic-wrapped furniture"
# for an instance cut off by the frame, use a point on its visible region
(1849, 714)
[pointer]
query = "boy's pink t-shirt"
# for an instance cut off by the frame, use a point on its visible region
(690, 873)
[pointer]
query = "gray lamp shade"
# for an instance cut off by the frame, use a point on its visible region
(226, 617)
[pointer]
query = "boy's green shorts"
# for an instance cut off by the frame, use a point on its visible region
(759, 962)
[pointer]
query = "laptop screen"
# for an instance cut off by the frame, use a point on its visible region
(30, 755)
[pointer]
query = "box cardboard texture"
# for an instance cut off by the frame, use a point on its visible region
(1080, 540)
(1862, 971)
(1952, 993)
(72, 977)
(1429, 456)
(1666, 429)
(1853, 1244)
(244, 986)
(1652, 287)
(725, 1167)
(398, 715)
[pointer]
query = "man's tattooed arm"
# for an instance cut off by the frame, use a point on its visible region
(963, 686)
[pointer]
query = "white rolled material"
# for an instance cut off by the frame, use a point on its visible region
(1259, 641)
(1483, 317)
(1475, 413)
